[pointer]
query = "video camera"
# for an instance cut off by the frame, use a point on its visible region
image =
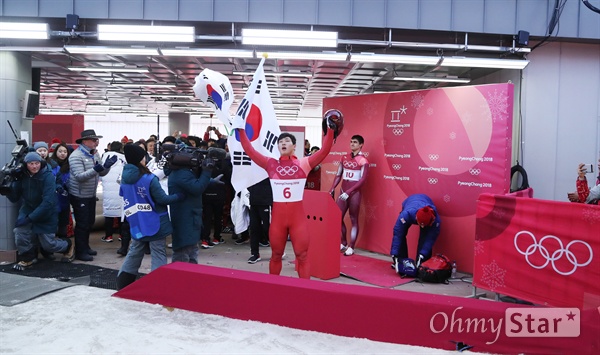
(177, 156)
(15, 167)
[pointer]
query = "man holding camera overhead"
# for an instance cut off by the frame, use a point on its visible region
(584, 194)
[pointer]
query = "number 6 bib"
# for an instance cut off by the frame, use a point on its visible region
(290, 190)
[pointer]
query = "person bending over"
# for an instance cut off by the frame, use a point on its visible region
(287, 177)
(353, 173)
(416, 209)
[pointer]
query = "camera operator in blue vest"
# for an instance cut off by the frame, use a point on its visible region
(145, 207)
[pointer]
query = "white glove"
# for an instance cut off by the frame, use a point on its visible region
(238, 122)
(344, 196)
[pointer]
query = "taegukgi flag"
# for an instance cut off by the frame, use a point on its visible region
(261, 129)
(214, 88)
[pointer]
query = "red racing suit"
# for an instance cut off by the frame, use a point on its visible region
(288, 176)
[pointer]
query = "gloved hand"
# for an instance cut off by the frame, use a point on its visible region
(61, 191)
(110, 162)
(22, 221)
(217, 180)
(208, 163)
(344, 196)
(180, 196)
(98, 167)
(238, 122)
(420, 260)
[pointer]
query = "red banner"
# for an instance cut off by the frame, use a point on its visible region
(451, 144)
(545, 252)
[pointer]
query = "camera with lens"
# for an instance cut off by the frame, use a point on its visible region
(177, 156)
(14, 168)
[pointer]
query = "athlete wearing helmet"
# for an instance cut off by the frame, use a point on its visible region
(288, 176)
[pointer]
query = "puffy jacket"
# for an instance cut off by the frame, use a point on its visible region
(84, 179)
(131, 175)
(112, 203)
(38, 193)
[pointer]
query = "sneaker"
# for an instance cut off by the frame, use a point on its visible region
(22, 265)
(69, 254)
(254, 259)
(207, 244)
(107, 238)
(120, 238)
(349, 251)
(264, 244)
(170, 245)
(241, 241)
(227, 229)
(216, 241)
(343, 248)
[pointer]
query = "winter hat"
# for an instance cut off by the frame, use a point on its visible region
(133, 153)
(38, 145)
(124, 140)
(87, 134)
(54, 143)
(32, 156)
(425, 216)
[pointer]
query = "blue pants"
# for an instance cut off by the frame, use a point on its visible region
(27, 242)
(133, 260)
(187, 254)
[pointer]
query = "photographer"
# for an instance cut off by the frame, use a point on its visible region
(37, 221)
(186, 216)
(584, 194)
(221, 138)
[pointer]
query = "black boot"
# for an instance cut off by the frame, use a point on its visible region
(125, 238)
(125, 279)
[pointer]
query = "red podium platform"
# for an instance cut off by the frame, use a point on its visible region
(324, 225)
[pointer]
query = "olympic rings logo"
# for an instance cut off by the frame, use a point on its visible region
(432, 181)
(433, 157)
(350, 164)
(366, 154)
(475, 171)
(287, 170)
(396, 166)
(556, 255)
(397, 131)
(336, 163)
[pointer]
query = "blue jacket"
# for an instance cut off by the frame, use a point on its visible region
(408, 217)
(131, 175)
(187, 214)
(38, 193)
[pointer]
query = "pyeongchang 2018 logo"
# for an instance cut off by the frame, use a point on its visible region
(532, 322)
(550, 251)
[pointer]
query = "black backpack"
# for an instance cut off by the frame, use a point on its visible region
(437, 269)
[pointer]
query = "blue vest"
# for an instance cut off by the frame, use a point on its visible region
(138, 207)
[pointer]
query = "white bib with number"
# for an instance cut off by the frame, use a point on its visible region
(290, 190)
(352, 175)
(138, 207)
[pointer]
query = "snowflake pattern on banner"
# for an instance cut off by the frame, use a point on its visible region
(591, 215)
(389, 203)
(429, 111)
(447, 198)
(493, 276)
(466, 117)
(498, 104)
(478, 247)
(370, 211)
(417, 100)
(368, 109)
(452, 135)
(499, 213)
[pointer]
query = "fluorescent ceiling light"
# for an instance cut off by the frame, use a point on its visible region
(146, 33)
(329, 56)
(215, 53)
(30, 49)
(289, 38)
(23, 30)
(111, 50)
(287, 89)
(109, 69)
(434, 79)
(484, 63)
(167, 96)
(289, 74)
(58, 93)
(143, 85)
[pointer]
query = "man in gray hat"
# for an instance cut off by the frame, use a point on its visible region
(86, 168)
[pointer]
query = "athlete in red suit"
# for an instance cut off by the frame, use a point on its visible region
(288, 176)
(352, 171)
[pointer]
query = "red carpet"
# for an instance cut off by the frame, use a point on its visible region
(370, 270)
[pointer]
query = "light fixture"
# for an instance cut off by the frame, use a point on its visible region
(200, 52)
(288, 74)
(146, 33)
(174, 96)
(143, 85)
(434, 79)
(111, 50)
(108, 69)
(58, 93)
(31, 49)
(22, 30)
(289, 38)
(485, 63)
